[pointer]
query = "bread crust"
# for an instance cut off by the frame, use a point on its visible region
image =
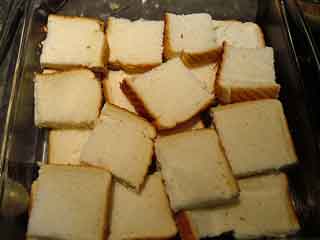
(97, 20)
(201, 58)
(167, 49)
(136, 101)
(132, 68)
(187, 230)
(232, 94)
(66, 67)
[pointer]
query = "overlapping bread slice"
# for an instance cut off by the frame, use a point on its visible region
(69, 202)
(255, 136)
(112, 90)
(65, 145)
(207, 75)
(168, 95)
(195, 170)
(68, 99)
(144, 215)
(122, 143)
(135, 46)
(264, 209)
(74, 42)
(246, 74)
(192, 36)
(238, 34)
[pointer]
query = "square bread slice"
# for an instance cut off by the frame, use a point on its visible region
(135, 46)
(70, 203)
(112, 91)
(122, 143)
(239, 34)
(74, 42)
(264, 209)
(207, 75)
(167, 95)
(255, 136)
(68, 99)
(144, 215)
(246, 74)
(195, 170)
(192, 36)
(65, 145)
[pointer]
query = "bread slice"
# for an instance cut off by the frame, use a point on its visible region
(255, 136)
(264, 209)
(122, 143)
(193, 124)
(195, 170)
(135, 46)
(70, 203)
(239, 34)
(68, 99)
(65, 145)
(179, 38)
(246, 74)
(113, 93)
(168, 95)
(74, 42)
(207, 75)
(146, 215)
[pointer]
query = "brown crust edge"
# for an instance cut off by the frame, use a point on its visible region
(201, 58)
(136, 101)
(187, 230)
(167, 49)
(132, 68)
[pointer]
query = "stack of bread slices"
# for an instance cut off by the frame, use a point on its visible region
(129, 156)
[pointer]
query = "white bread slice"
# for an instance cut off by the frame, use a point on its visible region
(192, 36)
(74, 42)
(255, 136)
(207, 75)
(239, 34)
(65, 145)
(246, 74)
(195, 170)
(135, 46)
(113, 93)
(122, 143)
(68, 99)
(167, 95)
(264, 209)
(144, 215)
(193, 124)
(70, 203)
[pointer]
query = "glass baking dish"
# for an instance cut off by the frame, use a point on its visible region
(24, 145)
